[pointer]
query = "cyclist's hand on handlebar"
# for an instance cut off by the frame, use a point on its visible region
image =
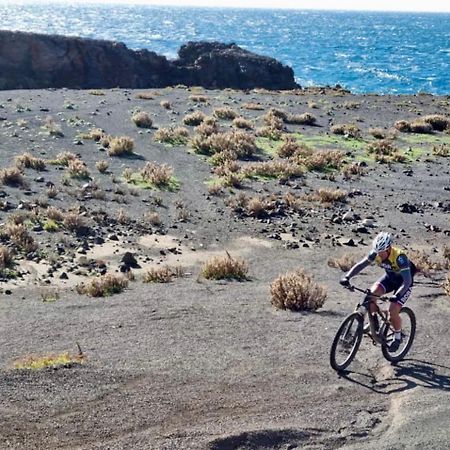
(345, 282)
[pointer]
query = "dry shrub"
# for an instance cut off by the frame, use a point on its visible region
(6, 259)
(329, 196)
(119, 146)
(225, 268)
(165, 104)
(215, 189)
(145, 96)
(353, 169)
(446, 253)
(28, 161)
(54, 213)
(11, 176)
(73, 221)
(102, 166)
(403, 126)
(127, 174)
(52, 127)
(273, 169)
(383, 147)
(321, 160)
(438, 122)
(238, 142)
(158, 175)
(96, 134)
(162, 274)
(241, 122)
(194, 119)
(105, 140)
(20, 236)
(274, 119)
(226, 167)
(297, 291)
(198, 98)
(78, 169)
(301, 119)
(377, 133)
(290, 147)
(253, 106)
(153, 218)
(421, 127)
(96, 92)
(63, 158)
(347, 130)
(345, 262)
(207, 128)
(446, 285)
(269, 132)
(225, 113)
(142, 120)
(385, 152)
(278, 113)
(424, 264)
(122, 217)
(52, 191)
(232, 180)
(441, 150)
(103, 286)
(173, 136)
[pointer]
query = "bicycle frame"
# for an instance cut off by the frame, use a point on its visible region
(363, 308)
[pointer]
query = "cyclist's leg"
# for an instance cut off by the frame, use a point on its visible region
(395, 308)
(379, 288)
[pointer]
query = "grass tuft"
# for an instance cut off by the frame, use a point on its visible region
(225, 268)
(103, 286)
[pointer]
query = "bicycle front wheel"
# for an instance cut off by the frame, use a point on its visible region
(346, 342)
(408, 333)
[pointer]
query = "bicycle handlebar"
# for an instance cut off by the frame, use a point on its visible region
(351, 287)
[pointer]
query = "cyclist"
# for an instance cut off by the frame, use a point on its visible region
(397, 279)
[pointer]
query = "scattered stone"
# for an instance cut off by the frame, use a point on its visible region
(348, 216)
(128, 259)
(407, 208)
(368, 222)
(113, 237)
(431, 227)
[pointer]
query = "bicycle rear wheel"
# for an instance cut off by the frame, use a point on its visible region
(346, 342)
(408, 334)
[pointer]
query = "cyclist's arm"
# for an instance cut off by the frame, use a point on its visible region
(405, 272)
(360, 266)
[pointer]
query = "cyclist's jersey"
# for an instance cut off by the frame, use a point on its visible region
(396, 262)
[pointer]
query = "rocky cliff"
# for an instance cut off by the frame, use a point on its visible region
(33, 61)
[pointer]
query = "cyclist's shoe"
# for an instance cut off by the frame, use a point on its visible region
(394, 345)
(366, 328)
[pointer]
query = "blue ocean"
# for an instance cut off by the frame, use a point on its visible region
(366, 52)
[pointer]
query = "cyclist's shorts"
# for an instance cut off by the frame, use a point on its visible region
(391, 284)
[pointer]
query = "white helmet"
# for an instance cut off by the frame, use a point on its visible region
(382, 242)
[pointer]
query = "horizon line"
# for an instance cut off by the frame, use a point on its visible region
(167, 5)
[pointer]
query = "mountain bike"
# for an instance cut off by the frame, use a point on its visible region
(349, 335)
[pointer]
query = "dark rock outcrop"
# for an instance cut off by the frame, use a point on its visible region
(34, 61)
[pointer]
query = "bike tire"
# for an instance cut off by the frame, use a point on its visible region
(394, 358)
(345, 327)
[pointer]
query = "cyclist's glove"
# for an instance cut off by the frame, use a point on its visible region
(345, 282)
